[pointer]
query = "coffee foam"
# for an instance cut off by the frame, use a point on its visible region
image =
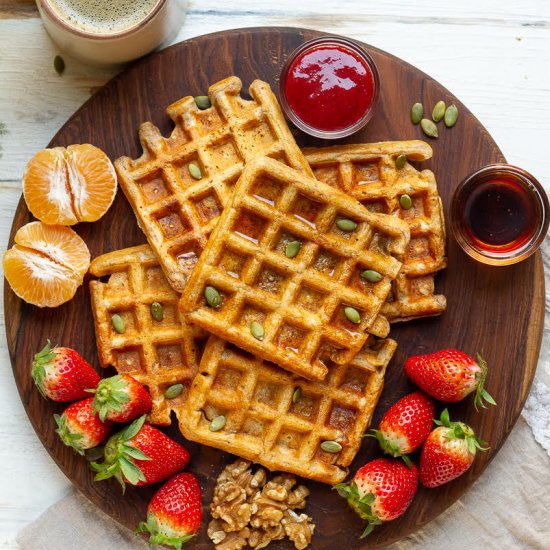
(102, 16)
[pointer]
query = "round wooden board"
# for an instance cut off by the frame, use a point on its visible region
(497, 310)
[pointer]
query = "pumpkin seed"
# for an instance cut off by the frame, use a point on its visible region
(173, 391)
(439, 111)
(331, 446)
(157, 311)
(213, 297)
(217, 423)
(417, 112)
(346, 225)
(405, 201)
(257, 330)
(428, 127)
(118, 323)
(352, 314)
(297, 394)
(203, 102)
(292, 248)
(400, 161)
(371, 276)
(194, 170)
(451, 116)
(59, 64)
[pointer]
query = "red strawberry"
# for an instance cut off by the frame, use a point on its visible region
(450, 375)
(140, 455)
(174, 514)
(62, 374)
(79, 428)
(406, 425)
(448, 452)
(121, 398)
(381, 490)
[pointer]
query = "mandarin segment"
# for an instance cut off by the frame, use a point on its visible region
(47, 264)
(69, 185)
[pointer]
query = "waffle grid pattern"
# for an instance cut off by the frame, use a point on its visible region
(176, 210)
(368, 173)
(299, 301)
(266, 425)
(157, 353)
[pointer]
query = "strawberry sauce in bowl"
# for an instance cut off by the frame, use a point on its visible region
(329, 87)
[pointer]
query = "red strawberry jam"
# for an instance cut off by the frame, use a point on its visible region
(329, 87)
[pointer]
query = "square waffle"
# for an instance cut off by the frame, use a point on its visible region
(175, 210)
(368, 173)
(157, 353)
(299, 301)
(271, 422)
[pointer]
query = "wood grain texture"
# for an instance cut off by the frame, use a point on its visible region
(499, 310)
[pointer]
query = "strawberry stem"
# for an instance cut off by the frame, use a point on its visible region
(482, 395)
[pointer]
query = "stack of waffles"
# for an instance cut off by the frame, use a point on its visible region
(279, 272)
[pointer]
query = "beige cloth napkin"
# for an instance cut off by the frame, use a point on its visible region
(507, 508)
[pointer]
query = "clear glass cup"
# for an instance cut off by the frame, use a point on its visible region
(500, 214)
(344, 44)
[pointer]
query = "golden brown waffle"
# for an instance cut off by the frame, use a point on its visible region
(299, 301)
(176, 211)
(157, 353)
(368, 173)
(271, 422)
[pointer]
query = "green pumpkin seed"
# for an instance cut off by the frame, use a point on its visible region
(346, 225)
(331, 446)
(157, 311)
(292, 248)
(428, 127)
(194, 170)
(439, 111)
(173, 391)
(217, 423)
(352, 314)
(118, 323)
(297, 394)
(371, 276)
(451, 116)
(400, 161)
(257, 330)
(417, 112)
(59, 64)
(203, 102)
(405, 201)
(213, 297)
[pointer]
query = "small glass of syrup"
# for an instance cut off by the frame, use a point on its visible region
(500, 214)
(329, 87)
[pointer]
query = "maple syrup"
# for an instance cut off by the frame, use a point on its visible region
(499, 214)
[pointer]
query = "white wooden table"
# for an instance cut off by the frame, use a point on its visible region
(493, 54)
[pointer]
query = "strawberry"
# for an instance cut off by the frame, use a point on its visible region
(450, 375)
(448, 452)
(406, 425)
(121, 398)
(380, 491)
(140, 455)
(79, 428)
(174, 514)
(62, 374)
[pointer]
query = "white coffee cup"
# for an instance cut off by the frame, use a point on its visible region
(108, 42)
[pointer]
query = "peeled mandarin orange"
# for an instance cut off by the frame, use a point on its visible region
(69, 185)
(47, 264)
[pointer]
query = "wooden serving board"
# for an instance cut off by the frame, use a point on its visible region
(495, 309)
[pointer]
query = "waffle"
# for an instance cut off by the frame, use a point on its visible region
(368, 173)
(157, 353)
(299, 301)
(266, 425)
(176, 211)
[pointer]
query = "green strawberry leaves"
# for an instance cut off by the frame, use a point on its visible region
(71, 439)
(111, 395)
(482, 395)
(388, 447)
(152, 527)
(459, 430)
(38, 371)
